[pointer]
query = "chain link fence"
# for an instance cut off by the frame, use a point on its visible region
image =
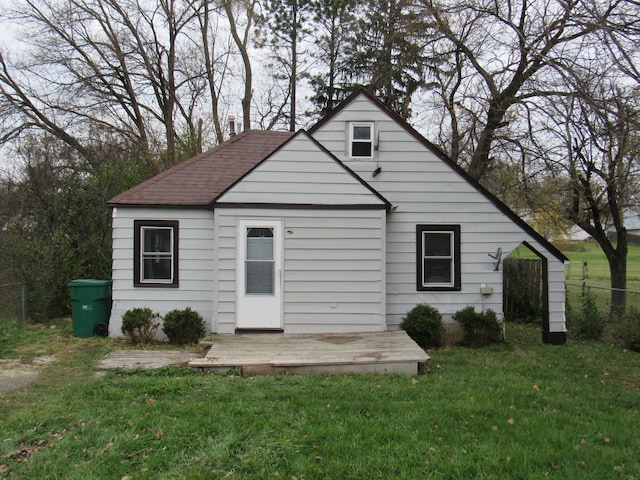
(593, 278)
(13, 301)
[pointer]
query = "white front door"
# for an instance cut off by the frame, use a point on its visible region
(259, 274)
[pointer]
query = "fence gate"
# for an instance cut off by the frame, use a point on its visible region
(523, 285)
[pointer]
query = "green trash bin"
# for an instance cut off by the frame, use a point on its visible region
(90, 307)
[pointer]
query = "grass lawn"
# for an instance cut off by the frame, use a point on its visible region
(596, 274)
(519, 410)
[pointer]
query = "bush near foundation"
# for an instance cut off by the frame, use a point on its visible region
(423, 324)
(183, 326)
(140, 325)
(480, 328)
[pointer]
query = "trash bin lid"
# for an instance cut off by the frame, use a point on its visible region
(89, 283)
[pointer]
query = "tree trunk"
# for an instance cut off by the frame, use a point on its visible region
(618, 269)
(242, 44)
(294, 68)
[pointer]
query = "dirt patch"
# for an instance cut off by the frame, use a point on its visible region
(15, 373)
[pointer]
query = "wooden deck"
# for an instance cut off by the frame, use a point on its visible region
(147, 359)
(380, 352)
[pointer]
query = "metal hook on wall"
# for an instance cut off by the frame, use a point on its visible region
(497, 257)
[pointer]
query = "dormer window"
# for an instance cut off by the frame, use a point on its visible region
(361, 140)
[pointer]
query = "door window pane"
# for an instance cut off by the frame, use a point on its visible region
(259, 262)
(259, 244)
(259, 278)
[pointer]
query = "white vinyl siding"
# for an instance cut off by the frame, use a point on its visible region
(300, 173)
(334, 266)
(334, 235)
(425, 190)
(196, 265)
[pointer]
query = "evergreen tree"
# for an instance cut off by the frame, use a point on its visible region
(285, 25)
(387, 54)
(334, 24)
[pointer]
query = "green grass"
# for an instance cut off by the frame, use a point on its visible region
(518, 410)
(597, 269)
(596, 274)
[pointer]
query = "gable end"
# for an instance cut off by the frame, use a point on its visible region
(442, 156)
(305, 135)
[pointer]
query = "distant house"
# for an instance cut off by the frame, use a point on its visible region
(631, 219)
(576, 234)
(343, 228)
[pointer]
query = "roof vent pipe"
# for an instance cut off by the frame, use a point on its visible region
(232, 125)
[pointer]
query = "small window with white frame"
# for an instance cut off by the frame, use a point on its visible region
(155, 253)
(361, 140)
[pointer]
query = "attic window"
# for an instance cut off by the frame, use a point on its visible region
(438, 260)
(155, 253)
(361, 140)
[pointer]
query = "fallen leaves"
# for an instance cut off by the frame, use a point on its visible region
(24, 450)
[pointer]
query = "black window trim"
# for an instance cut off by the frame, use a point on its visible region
(457, 279)
(138, 225)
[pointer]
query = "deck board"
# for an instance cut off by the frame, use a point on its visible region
(378, 352)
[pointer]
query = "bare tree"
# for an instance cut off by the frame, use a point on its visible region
(107, 64)
(593, 140)
(500, 52)
(241, 15)
(216, 61)
(284, 29)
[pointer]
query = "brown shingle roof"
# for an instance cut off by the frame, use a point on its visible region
(199, 180)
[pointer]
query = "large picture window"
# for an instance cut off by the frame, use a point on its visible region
(438, 259)
(361, 140)
(155, 253)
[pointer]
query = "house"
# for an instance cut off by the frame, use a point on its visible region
(342, 228)
(631, 221)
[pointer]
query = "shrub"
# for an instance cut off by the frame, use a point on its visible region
(629, 330)
(423, 324)
(140, 325)
(183, 326)
(589, 323)
(480, 328)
